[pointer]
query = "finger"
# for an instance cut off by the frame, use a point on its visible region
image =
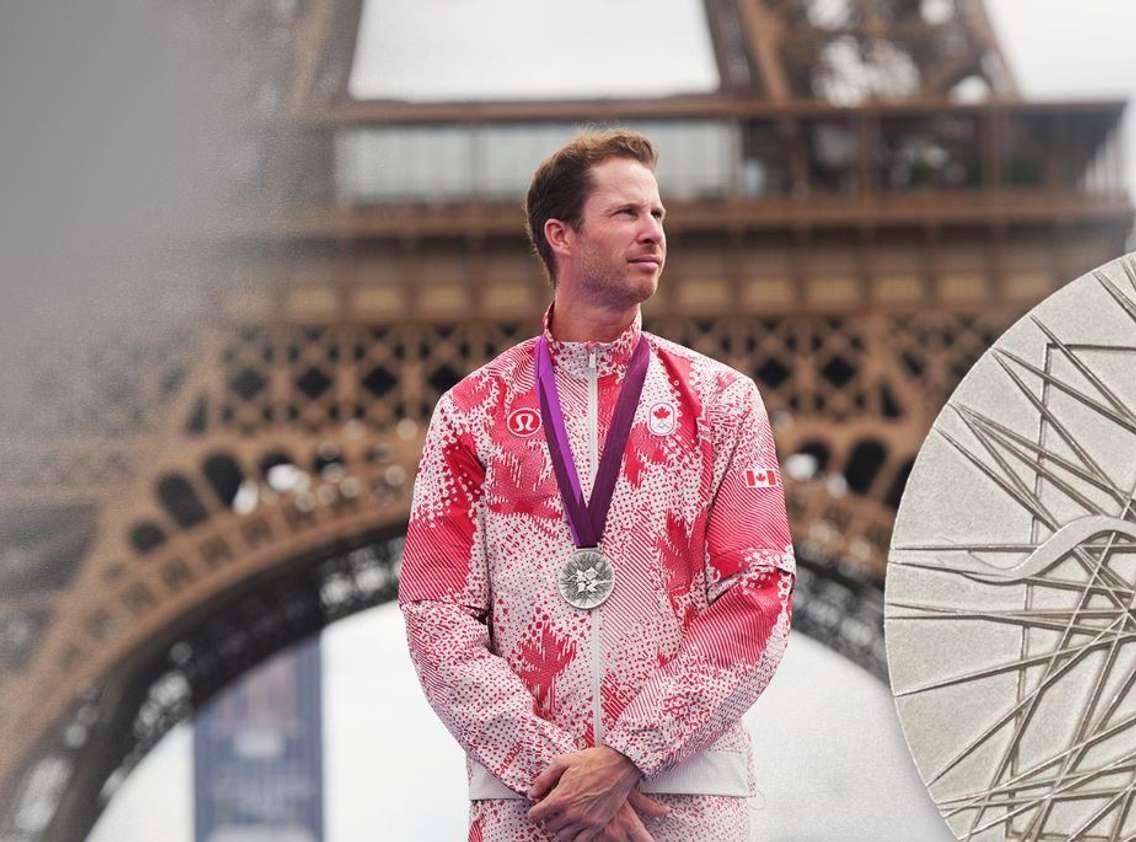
(546, 780)
(548, 804)
(561, 822)
(569, 834)
(638, 831)
(574, 834)
(614, 832)
(646, 805)
(546, 809)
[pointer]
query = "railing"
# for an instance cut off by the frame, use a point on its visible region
(495, 162)
(838, 153)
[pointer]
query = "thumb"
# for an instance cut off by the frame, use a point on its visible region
(546, 780)
(646, 805)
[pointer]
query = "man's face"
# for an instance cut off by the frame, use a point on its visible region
(620, 248)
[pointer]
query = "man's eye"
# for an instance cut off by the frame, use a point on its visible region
(628, 210)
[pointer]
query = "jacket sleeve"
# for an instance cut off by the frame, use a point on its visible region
(731, 648)
(444, 597)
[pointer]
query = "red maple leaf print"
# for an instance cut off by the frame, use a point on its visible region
(540, 661)
(643, 449)
(662, 412)
(681, 553)
(513, 495)
(472, 393)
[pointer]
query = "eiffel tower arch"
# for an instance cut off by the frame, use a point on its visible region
(864, 205)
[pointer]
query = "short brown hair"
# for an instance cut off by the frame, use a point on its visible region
(562, 183)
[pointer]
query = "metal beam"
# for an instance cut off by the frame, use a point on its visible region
(709, 106)
(764, 32)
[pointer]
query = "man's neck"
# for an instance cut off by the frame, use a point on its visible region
(578, 321)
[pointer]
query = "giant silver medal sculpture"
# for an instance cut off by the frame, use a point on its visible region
(1011, 587)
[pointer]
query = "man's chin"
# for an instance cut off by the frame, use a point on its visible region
(632, 292)
(646, 287)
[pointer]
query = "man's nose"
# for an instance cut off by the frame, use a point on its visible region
(652, 230)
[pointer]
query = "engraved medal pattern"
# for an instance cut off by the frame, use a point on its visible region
(587, 578)
(1011, 589)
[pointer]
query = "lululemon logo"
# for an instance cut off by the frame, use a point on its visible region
(662, 418)
(523, 422)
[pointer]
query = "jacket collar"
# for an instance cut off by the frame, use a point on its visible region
(611, 357)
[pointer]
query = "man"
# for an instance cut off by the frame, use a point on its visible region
(597, 572)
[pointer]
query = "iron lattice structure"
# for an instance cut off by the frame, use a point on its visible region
(190, 493)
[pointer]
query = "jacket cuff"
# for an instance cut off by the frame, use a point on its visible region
(525, 761)
(636, 749)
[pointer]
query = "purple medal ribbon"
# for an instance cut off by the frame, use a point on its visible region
(587, 520)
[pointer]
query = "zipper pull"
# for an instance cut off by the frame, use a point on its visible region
(592, 359)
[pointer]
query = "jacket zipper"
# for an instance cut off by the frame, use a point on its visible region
(593, 463)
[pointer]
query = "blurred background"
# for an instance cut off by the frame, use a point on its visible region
(246, 244)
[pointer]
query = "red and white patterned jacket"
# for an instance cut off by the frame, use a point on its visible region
(697, 532)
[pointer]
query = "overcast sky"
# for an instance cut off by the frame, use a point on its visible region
(507, 48)
(1081, 49)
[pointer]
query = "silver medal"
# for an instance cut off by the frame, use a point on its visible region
(586, 579)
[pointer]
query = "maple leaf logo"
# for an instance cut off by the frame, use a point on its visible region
(662, 412)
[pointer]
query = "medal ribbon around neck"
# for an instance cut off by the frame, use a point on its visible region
(587, 520)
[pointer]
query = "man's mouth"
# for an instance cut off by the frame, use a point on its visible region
(653, 262)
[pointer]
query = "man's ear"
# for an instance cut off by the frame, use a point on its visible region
(560, 236)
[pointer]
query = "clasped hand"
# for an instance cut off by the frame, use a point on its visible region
(591, 795)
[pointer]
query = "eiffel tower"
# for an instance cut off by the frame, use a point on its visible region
(862, 207)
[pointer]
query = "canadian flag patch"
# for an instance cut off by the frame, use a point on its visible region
(662, 418)
(762, 477)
